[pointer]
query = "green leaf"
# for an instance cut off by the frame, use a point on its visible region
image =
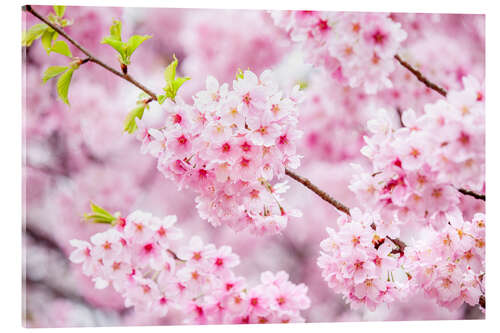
(59, 10)
(53, 71)
(173, 83)
(118, 45)
(172, 87)
(130, 126)
(134, 42)
(169, 73)
(63, 85)
(34, 33)
(239, 74)
(161, 99)
(47, 38)
(61, 47)
(99, 215)
(115, 30)
(124, 49)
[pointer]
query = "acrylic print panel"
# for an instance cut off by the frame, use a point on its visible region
(188, 166)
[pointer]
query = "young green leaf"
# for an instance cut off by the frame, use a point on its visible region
(125, 49)
(173, 86)
(61, 47)
(53, 71)
(59, 10)
(161, 99)
(171, 69)
(47, 38)
(130, 126)
(63, 85)
(118, 45)
(115, 30)
(99, 215)
(173, 83)
(239, 74)
(134, 42)
(33, 33)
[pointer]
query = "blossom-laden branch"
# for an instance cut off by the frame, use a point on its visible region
(421, 77)
(127, 77)
(134, 256)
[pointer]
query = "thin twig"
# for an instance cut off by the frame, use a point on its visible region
(91, 57)
(322, 194)
(421, 77)
(472, 194)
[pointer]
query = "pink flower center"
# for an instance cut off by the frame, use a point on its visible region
(358, 265)
(254, 301)
(244, 162)
(226, 147)
(283, 140)
(146, 289)
(162, 232)
(219, 262)
(464, 138)
(247, 99)
(199, 310)
(246, 147)
(323, 25)
(356, 27)
(182, 140)
(148, 248)
(379, 37)
(177, 118)
(122, 222)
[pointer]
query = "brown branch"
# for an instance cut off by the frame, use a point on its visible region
(421, 77)
(472, 194)
(322, 194)
(91, 57)
(482, 301)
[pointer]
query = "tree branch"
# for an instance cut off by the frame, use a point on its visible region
(322, 194)
(90, 56)
(472, 194)
(421, 77)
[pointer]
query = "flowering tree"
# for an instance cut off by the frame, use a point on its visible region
(414, 174)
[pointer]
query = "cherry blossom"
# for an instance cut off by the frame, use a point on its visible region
(199, 280)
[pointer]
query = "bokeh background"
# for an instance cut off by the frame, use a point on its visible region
(80, 154)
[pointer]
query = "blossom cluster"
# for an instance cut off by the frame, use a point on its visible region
(139, 257)
(416, 174)
(362, 264)
(356, 48)
(229, 146)
(449, 265)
